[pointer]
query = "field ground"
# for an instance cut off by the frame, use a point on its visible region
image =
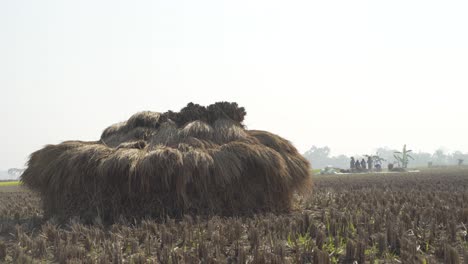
(372, 218)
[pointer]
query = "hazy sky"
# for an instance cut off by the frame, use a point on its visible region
(353, 75)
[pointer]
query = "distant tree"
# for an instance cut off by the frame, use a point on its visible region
(403, 157)
(459, 156)
(440, 157)
(340, 161)
(376, 158)
(421, 159)
(323, 152)
(15, 172)
(320, 158)
(386, 154)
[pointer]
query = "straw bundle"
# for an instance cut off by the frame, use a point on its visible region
(200, 160)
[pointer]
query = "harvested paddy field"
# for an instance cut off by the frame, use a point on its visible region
(372, 218)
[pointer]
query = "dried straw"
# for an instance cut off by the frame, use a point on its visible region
(200, 160)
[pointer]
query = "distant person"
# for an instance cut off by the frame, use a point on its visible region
(460, 162)
(378, 167)
(352, 164)
(370, 164)
(390, 166)
(363, 164)
(358, 165)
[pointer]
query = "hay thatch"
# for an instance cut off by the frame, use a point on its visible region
(200, 160)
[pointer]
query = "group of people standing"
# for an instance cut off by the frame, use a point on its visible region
(362, 165)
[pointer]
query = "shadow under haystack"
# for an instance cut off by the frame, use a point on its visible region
(200, 160)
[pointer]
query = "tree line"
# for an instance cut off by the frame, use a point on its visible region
(320, 157)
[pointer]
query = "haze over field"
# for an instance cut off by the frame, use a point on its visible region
(351, 75)
(3, 175)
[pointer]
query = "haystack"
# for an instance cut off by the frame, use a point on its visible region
(200, 160)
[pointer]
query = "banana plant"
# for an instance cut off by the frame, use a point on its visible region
(376, 161)
(403, 156)
(375, 158)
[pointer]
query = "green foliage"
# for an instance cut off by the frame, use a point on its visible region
(403, 157)
(9, 183)
(301, 241)
(352, 229)
(372, 251)
(376, 158)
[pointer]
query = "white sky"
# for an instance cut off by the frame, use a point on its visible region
(353, 75)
